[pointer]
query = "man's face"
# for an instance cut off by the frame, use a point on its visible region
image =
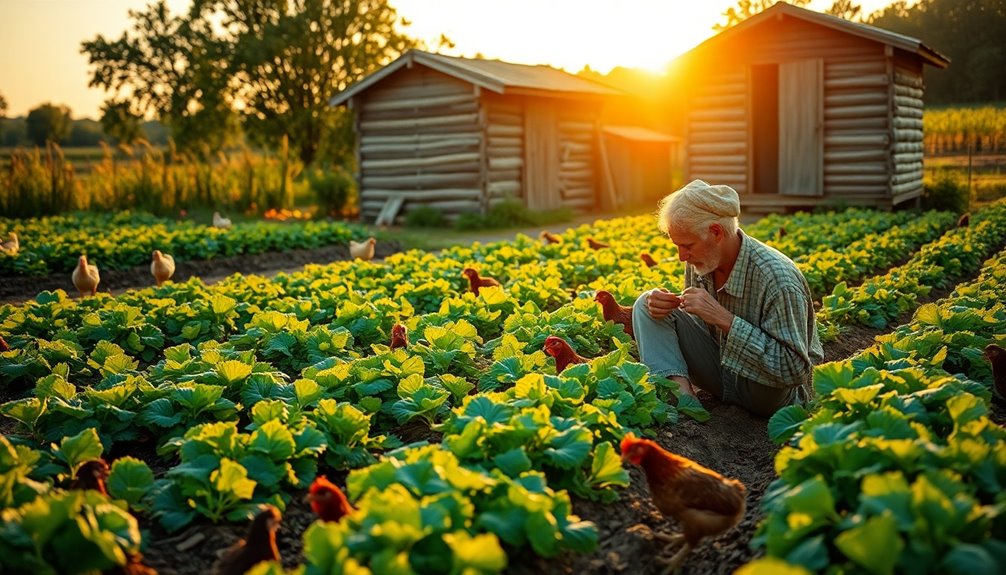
(702, 252)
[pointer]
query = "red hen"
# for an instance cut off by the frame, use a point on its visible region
(702, 501)
(258, 545)
(399, 336)
(92, 475)
(997, 357)
(3, 344)
(594, 244)
(549, 238)
(328, 502)
(562, 352)
(615, 312)
(648, 259)
(475, 282)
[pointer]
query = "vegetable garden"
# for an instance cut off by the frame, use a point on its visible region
(465, 452)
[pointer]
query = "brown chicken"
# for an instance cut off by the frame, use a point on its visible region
(363, 250)
(162, 267)
(781, 233)
(328, 502)
(399, 336)
(614, 312)
(10, 246)
(594, 244)
(964, 221)
(702, 501)
(549, 238)
(92, 475)
(997, 357)
(85, 277)
(3, 344)
(258, 545)
(562, 352)
(475, 282)
(648, 259)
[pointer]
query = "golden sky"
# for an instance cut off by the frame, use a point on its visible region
(40, 39)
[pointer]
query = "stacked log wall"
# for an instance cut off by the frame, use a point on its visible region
(504, 137)
(578, 156)
(907, 91)
(420, 137)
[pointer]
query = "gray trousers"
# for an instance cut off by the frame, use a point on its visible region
(681, 345)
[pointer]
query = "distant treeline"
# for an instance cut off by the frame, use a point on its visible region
(83, 133)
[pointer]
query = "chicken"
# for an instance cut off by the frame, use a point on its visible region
(220, 221)
(964, 220)
(475, 282)
(594, 244)
(997, 357)
(362, 250)
(3, 344)
(162, 266)
(85, 277)
(92, 475)
(563, 354)
(648, 259)
(781, 233)
(328, 502)
(702, 501)
(399, 336)
(549, 238)
(258, 545)
(10, 246)
(614, 312)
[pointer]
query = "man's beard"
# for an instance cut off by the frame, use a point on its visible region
(707, 266)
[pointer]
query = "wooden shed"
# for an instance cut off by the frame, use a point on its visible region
(460, 134)
(795, 108)
(641, 162)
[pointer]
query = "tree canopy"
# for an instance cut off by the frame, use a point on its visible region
(49, 123)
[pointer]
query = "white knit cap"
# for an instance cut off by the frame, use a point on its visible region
(720, 201)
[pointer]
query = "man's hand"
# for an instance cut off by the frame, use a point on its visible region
(660, 302)
(700, 303)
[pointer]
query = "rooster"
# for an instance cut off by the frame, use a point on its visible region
(997, 357)
(702, 501)
(475, 282)
(11, 245)
(92, 475)
(220, 221)
(594, 244)
(3, 344)
(549, 238)
(399, 336)
(328, 502)
(85, 277)
(362, 250)
(258, 545)
(162, 267)
(563, 354)
(614, 312)
(648, 259)
(964, 221)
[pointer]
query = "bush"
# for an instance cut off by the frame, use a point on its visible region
(945, 191)
(332, 190)
(511, 213)
(424, 217)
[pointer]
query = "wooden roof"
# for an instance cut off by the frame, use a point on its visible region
(493, 75)
(780, 9)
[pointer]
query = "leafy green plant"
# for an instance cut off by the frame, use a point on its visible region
(424, 217)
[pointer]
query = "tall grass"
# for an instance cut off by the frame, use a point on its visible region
(957, 130)
(162, 181)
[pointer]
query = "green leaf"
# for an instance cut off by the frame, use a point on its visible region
(770, 566)
(513, 462)
(813, 498)
(968, 559)
(233, 371)
(785, 422)
(130, 479)
(606, 470)
(274, 440)
(431, 555)
(691, 407)
(76, 450)
(232, 477)
(480, 553)
(874, 545)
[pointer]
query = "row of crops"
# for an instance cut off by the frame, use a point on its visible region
(125, 239)
(242, 392)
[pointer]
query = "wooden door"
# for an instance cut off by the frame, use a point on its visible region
(801, 128)
(541, 150)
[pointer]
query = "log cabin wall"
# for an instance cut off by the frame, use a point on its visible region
(504, 136)
(866, 89)
(420, 137)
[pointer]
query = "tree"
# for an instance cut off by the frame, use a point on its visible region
(847, 10)
(288, 57)
(748, 8)
(48, 123)
(118, 122)
(3, 112)
(171, 67)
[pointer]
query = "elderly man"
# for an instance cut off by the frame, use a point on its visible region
(743, 328)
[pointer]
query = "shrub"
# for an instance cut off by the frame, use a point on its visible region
(424, 217)
(511, 213)
(945, 191)
(332, 190)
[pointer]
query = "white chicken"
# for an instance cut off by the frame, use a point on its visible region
(85, 277)
(220, 221)
(362, 250)
(10, 246)
(162, 267)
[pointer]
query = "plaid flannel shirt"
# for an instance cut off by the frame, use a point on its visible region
(773, 338)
